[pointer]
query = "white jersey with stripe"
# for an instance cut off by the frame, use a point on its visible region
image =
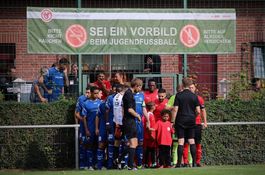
(118, 108)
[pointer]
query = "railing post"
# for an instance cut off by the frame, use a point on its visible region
(76, 148)
(79, 4)
(79, 56)
(185, 57)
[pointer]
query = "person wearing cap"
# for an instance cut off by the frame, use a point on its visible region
(56, 79)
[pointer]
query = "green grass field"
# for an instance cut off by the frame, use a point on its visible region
(207, 170)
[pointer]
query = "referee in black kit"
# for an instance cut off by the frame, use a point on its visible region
(186, 108)
(128, 121)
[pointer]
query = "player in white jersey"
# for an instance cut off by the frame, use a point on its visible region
(117, 119)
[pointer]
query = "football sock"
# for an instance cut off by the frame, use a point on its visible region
(110, 155)
(100, 157)
(89, 153)
(124, 152)
(82, 155)
(193, 153)
(180, 152)
(131, 157)
(198, 153)
(139, 155)
(186, 153)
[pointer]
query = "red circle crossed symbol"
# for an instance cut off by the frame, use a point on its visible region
(46, 15)
(76, 35)
(189, 35)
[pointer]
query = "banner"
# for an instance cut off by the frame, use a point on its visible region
(130, 31)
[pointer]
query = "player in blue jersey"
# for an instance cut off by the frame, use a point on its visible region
(101, 133)
(141, 110)
(55, 80)
(82, 135)
(110, 125)
(89, 114)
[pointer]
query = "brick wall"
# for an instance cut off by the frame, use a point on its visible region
(27, 65)
(250, 26)
(169, 64)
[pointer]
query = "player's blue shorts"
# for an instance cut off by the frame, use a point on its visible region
(88, 140)
(91, 139)
(82, 133)
(102, 133)
(85, 140)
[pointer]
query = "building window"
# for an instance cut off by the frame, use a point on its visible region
(92, 61)
(129, 64)
(118, 62)
(259, 60)
(7, 69)
(132, 63)
(7, 61)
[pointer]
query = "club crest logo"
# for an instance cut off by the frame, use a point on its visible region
(46, 15)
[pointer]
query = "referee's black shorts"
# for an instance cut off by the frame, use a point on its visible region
(129, 128)
(197, 135)
(187, 133)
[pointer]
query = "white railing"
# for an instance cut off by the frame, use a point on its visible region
(236, 123)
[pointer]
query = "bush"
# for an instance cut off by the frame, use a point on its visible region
(54, 148)
(2, 96)
(37, 148)
(234, 144)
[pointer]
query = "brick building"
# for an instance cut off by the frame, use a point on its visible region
(209, 70)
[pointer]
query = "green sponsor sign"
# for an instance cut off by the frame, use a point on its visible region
(130, 31)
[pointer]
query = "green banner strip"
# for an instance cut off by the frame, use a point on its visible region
(130, 31)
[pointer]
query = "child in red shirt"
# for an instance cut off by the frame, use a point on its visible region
(150, 137)
(164, 133)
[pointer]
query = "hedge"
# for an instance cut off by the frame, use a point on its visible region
(37, 148)
(241, 144)
(54, 148)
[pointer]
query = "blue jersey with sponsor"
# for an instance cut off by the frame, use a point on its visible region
(54, 80)
(78, 108)
(90, 111)
(109, 106)
(139, 100)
